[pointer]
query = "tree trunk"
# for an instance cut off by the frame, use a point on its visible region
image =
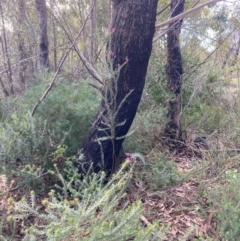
(237, 48)
(92, 30)
(21, 44)
(130, 46)
(173, 132)
(43, 36)
(5, 49)
(54, 30)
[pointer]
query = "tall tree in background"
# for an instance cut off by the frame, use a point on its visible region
(43, 36)
(6, 56)
(129, 48)
(21, 43)
(174, 71)
(92, 30)
(54, 37)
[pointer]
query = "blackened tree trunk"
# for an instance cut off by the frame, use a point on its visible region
(128, 52)
(43, 36)
(173, 132)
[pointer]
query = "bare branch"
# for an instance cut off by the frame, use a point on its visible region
(85, 61)
(56, 74)
(58, 69)
(182, 15)
(52, 82)
(29, 58)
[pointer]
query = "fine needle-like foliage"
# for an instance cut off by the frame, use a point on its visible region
(98, 212)
(189, 193)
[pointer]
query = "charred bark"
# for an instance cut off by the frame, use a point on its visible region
(132, 27)
(174, 69)
(43, 36)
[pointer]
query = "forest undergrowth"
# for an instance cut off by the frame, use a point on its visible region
(155, 194)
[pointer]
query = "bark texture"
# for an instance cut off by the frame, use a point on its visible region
(132, 27)
(43, 36)
(174, 70)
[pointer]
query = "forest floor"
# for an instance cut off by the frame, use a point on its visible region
(182, 207)
(185, 209)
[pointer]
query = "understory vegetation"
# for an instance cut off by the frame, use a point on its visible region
(43, 198)
(155, 192)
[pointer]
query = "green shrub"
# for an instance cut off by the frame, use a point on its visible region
(24, 148)
(100, 213)
(148, 126)
(227, 199)
(204, 102)
(69, 110)
(27, 143)
(158, 172)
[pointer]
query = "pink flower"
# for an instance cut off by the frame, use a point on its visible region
(130, 157)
